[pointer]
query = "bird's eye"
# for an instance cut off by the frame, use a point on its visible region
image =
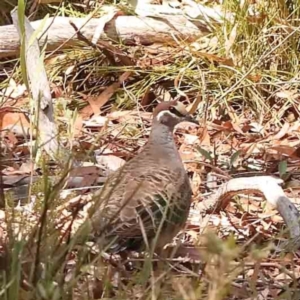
(173, 110)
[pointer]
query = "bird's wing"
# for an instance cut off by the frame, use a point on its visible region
(134, 205)
(146, 203)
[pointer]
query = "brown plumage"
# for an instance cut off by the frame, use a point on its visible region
(147, 201)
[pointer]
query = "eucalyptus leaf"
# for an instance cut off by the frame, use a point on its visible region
(282, 168)
(204, 153)
(234, 158)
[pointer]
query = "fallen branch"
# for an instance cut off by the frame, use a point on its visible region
(267, 186)
(129, 29)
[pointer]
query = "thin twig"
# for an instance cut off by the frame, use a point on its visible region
(110, 53)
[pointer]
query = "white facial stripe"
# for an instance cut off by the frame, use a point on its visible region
(164, 113)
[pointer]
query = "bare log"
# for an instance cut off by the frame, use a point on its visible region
(128, 29)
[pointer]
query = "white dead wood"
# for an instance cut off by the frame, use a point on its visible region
(267, 186)
(204, 14)
(128, 29)
(40, 90)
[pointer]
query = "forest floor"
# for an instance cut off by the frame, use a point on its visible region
(241, 79)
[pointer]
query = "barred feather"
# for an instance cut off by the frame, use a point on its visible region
(148, 198)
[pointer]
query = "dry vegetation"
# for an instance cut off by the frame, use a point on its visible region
(242, 79)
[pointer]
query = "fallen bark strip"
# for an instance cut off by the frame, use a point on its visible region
(128, 29)
(40, 89)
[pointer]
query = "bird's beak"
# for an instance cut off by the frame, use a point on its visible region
(191, 119)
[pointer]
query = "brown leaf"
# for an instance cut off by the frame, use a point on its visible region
(12, 171)
(205, 138)
(102, 99)
(256, 19)
(283, 131)
(254, 77)
(10, 117)
(95, 107)
(230, 126)
(12, 138)
(78, 124)
(285, 150)
(187, 155)
(147, 98)
(237, 128)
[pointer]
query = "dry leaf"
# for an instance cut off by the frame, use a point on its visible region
(205, 138)
(237, 128)
(284, 150)
(102, 99)
(230, 41)
(215, 58)
(190, 139)
(110, 162)
(12, 138)
(283, 131)
(11, 118)
(96, 121)
(78, 124)
(147, 98)
(27, 167)
(129, 116)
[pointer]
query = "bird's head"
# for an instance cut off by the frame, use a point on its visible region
(172, 113)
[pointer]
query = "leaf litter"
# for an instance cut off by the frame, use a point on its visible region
(104, 126)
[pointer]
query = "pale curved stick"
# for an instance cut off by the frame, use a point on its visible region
(269, 187)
